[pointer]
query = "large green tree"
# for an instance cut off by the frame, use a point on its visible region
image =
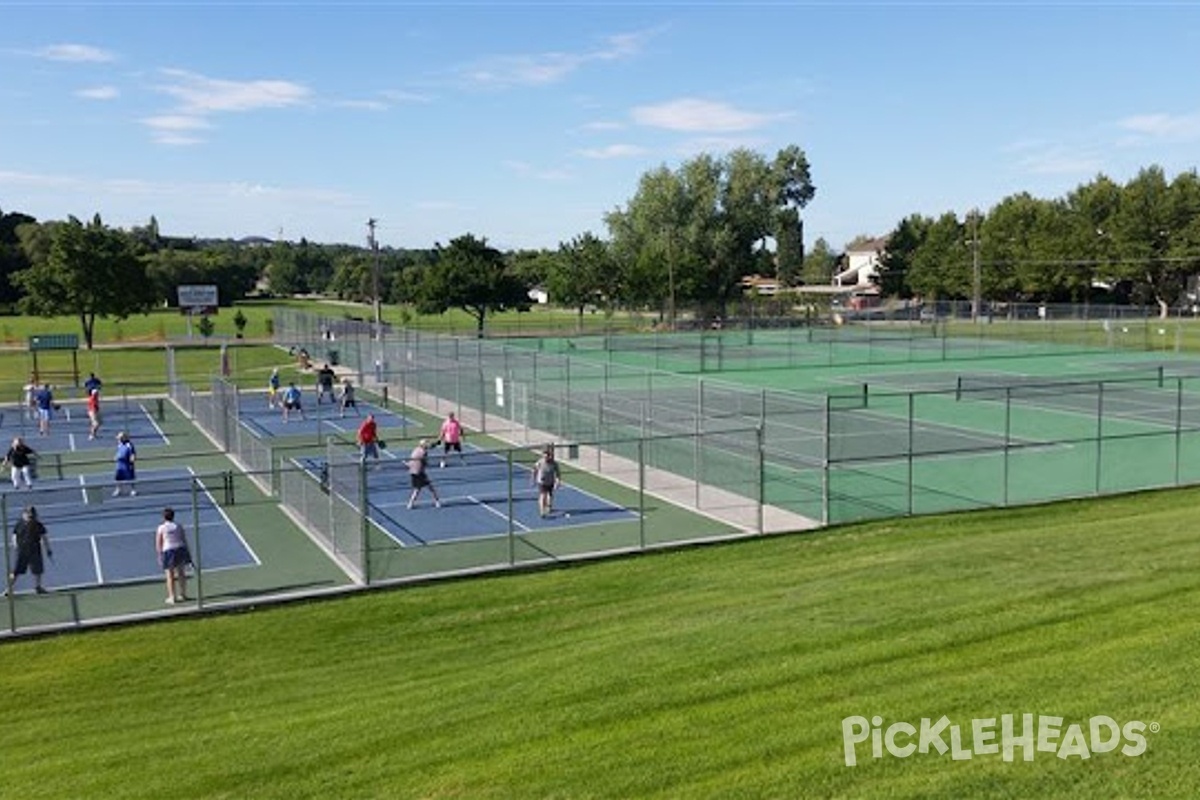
(471, 275)
(89, 271)
(583, 273)
(693, 233)
(819, 264)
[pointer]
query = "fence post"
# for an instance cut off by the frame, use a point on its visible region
(1178, 429)
(12, 602)
(196, 535)
(641, 494)
(762, 479)
(1007, 437)
(825, 466)
(1099, 432)
(364, 519)
(909, 449)
(512, 536)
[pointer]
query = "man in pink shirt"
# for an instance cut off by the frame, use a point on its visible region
(451, 438)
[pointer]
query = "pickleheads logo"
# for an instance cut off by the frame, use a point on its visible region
(1029, 733)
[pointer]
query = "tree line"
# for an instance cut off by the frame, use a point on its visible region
(687, 238)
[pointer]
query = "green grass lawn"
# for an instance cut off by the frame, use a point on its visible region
(723, 671)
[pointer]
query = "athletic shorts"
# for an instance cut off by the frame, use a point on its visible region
(176, 558)
(30, 560)
(448, 446)
(419, 480)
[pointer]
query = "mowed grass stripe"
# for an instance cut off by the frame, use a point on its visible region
(722, 671)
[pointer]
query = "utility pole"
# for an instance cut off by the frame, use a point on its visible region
(670, 280)
(976, 273)
(374, 245)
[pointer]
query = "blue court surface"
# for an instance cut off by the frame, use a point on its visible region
(101, 539)
(267, 422)
(70, 427)
(474, 499)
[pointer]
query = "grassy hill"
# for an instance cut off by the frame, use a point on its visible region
(723, 671)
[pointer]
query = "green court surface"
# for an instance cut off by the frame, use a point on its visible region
(900, 423)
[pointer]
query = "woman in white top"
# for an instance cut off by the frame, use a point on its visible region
(173, 556)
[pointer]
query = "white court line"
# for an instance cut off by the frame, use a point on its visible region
(491, 510)
(236, 532)
(149, 416)
(96, 559)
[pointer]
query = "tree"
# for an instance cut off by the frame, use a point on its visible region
(692, 234)
(895, 265)
(940, 267)
(12, 258)
(819, 264)
(1146, 222)
(470, 275)
(206, 326)
(790, 259)
(239, 322)
(583, 273)
(89, 271)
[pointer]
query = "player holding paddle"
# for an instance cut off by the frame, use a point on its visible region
(451, 438)
(547, 476)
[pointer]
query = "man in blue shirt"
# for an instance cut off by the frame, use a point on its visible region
(44, 398)
(92, 384)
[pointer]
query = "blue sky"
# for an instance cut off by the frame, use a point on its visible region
(526, 122)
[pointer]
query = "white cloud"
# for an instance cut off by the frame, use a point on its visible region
(176, 129)
(613, 151)
(99, 93)
(402, 96)
(539, 69)
(532, 171)
(1061, 161)
(199, 94)
(698, 116)
(78, 53)
(1174, 127)
(363, 105)
(603, 125)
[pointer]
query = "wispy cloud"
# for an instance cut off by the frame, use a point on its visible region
(602, 126)
(176, 129)
(540, 173)
(99, 93)
(199, 94)
(1170, 127)
(613, 151)
(403, 96)
(363, 105)
(79, 53)
(1061, 161)
(698, 116)
(539, 69)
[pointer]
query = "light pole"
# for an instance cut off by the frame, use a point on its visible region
(671, 279)
(976, 272)
(374, 245)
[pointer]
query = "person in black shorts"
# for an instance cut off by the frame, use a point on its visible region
(31, 537)
(418, 472)
(325, 379)
(347, 399)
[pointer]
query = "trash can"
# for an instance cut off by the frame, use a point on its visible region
(333, 358)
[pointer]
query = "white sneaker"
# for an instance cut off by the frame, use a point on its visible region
(116, 493)
(170, 601)
(133, 492)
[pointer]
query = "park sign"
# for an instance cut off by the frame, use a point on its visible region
(197, 299)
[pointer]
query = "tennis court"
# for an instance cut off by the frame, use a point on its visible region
(102, 539)
(70, 428)
(483, 494)
(326, 417)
